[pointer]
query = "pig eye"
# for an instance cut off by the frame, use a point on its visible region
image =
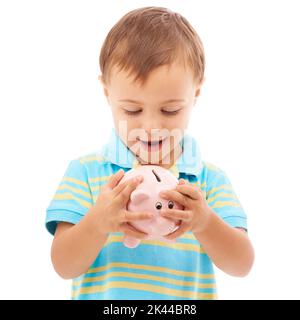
(170, 204)
(158, 205)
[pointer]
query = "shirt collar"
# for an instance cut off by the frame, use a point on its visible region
(189, 162)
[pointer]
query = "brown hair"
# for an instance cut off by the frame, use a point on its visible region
(150, 37)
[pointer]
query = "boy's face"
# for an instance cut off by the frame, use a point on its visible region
(151, 119)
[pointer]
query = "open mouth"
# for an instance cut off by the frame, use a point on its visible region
(151, 146)
(151, 142)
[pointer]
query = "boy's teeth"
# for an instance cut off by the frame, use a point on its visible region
(151, 142)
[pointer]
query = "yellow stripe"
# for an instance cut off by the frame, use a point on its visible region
(220, 204)
(145, 276)
(186, 235)
(91, 158)
(143, 287)
(197, 184)
(176, 246)
(202, 188)
(224, 186)
(222, 195)
(76, 181)
(69, 196)
(95, 188)
(135, 164)
(98, 179)
(151, 268)
(79, 191)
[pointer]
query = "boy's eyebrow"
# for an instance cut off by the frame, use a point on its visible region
(138, 102)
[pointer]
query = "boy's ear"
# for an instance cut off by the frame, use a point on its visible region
(100, 78)
(197, 94)
(198, 90)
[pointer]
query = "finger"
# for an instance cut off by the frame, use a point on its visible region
(177, 233)
(123, 197)
(119, 188)
(129, 230)
(128, 216)
(189, 191)
(184, 215)
(114, 179)
(175, 196)
(181, 181)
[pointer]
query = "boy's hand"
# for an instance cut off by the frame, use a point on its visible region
(196, 210)
(110, 207)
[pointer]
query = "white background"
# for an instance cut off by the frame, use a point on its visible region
(247, 122)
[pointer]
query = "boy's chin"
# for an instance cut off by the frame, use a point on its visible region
(149, 160)
(155, 159)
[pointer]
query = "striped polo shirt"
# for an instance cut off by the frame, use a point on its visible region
(154, 269)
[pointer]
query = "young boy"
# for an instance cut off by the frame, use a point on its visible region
(152, 65)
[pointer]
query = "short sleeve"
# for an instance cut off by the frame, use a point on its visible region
(72, 198)
(221, 197)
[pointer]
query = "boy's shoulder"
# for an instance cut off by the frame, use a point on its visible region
(89, 162)
(95, 156)
(212, 174)
(208, 166)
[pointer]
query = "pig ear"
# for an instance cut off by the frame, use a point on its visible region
(139, 195)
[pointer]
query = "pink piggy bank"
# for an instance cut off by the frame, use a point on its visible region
(146, 198)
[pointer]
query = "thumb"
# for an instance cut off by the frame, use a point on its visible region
(182, 181)
(114, 179)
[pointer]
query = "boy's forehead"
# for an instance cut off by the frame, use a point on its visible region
(163, 80)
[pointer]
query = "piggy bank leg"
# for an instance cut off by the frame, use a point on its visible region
(131, 242)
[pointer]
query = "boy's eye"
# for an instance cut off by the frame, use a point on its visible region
(170, 112)
(131, 113)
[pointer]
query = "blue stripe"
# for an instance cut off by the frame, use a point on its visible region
(223, 199)
(74, 185)
(230, 211)
(189, 289)
(143, 254)
(128, 294)
(73, 193)
(146, 272)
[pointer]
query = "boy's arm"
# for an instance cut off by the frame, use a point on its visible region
(75, 247)
(229, 248)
